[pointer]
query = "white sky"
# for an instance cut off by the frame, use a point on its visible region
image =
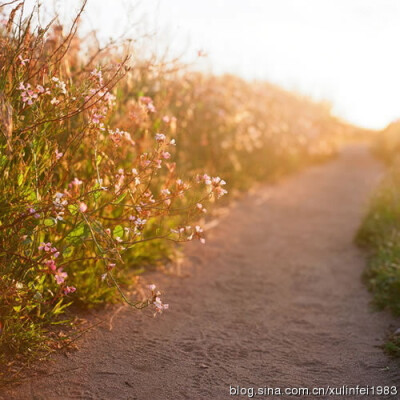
(344, 51)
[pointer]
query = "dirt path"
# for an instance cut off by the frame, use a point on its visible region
(273, 299)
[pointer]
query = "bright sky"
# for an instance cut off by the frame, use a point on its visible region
(343, 51)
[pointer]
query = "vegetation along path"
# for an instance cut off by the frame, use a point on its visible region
(274, 299)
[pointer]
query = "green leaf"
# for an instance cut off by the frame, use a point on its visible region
(78, 230)
(73, 208)
(68, 251)
(3, 160)
(59, 307)
(77, 233)
(97, 191)
(30, 195)
(118, 231)
(20, 179)
(98, 159)
(49, 222)
(17, 308)
(120, 198)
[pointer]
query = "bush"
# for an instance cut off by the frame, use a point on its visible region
(380, 234)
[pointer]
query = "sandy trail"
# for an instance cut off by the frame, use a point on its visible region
(274, 299)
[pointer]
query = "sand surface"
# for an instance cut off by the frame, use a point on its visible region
(274, 299)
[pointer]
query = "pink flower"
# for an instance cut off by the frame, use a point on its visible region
(45, 246)
(158, 163)
(215, 184)
(160, 137)
(165, 155)
(218, 181)
(51, 264)
(97, 73)
(201, 207)
(60, 84)
(145, 163)
(198, 232)
(28, 96)
(76, 182)
(151, 107)
(220, 192)
(33, 212)
(206, 179)
(82, 207)
(152, 287)
(23, 61)
(96, 118)
(58, 154)
(160, 307)
(60, 276)
(69, 289)
(148, 101)
(140, 222)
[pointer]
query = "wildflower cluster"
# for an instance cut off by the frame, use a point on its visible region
(242, 131)
(81, 197)
(98, 182)
(156, 300)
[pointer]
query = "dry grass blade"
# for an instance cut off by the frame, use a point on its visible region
(12, 16)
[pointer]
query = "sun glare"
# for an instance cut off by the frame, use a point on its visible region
(340, 51)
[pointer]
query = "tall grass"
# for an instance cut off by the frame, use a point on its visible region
(380, 231)
(104, 166)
